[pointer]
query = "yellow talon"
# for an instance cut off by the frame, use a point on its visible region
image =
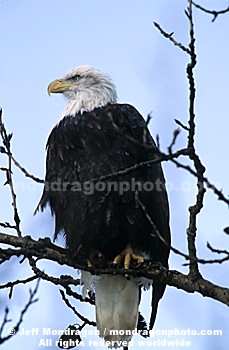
(126, 256)
(117, 260)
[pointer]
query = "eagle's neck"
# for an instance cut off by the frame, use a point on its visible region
(87, 99)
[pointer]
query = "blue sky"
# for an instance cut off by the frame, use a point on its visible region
(40, 41)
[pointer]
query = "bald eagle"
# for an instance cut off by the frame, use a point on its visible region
(104, 212)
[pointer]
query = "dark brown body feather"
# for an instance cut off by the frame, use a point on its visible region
(96, 216)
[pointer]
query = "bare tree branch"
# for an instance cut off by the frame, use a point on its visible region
(195, 209)
(211, 12)
(9, 178)
(170, 37)
(26, 173)
(15, 329)
(175, 250)
(181, 124)
(40, 250)
(175, 135)
(81, 317)
(218, 251)
(12, 284)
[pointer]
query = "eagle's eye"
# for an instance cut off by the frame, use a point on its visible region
(73, 78)
(76, 77)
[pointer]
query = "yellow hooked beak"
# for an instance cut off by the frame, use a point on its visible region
(57, 86)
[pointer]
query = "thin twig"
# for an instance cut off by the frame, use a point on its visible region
(8, 225)
(218, 251)
(12, 284)
(26, 173)
(181, 124)
(4, 321)
(82, 318)
(175, 135)
(210, 185)
(170, 37)
(211, 12)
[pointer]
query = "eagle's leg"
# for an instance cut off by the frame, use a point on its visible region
(126, 256)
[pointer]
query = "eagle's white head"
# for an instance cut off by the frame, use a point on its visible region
(86, 88)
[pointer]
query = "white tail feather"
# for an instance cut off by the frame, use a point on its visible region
(86, 281)
(117, 300)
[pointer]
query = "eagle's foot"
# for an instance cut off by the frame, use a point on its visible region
(126, 256)
(96, 257)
